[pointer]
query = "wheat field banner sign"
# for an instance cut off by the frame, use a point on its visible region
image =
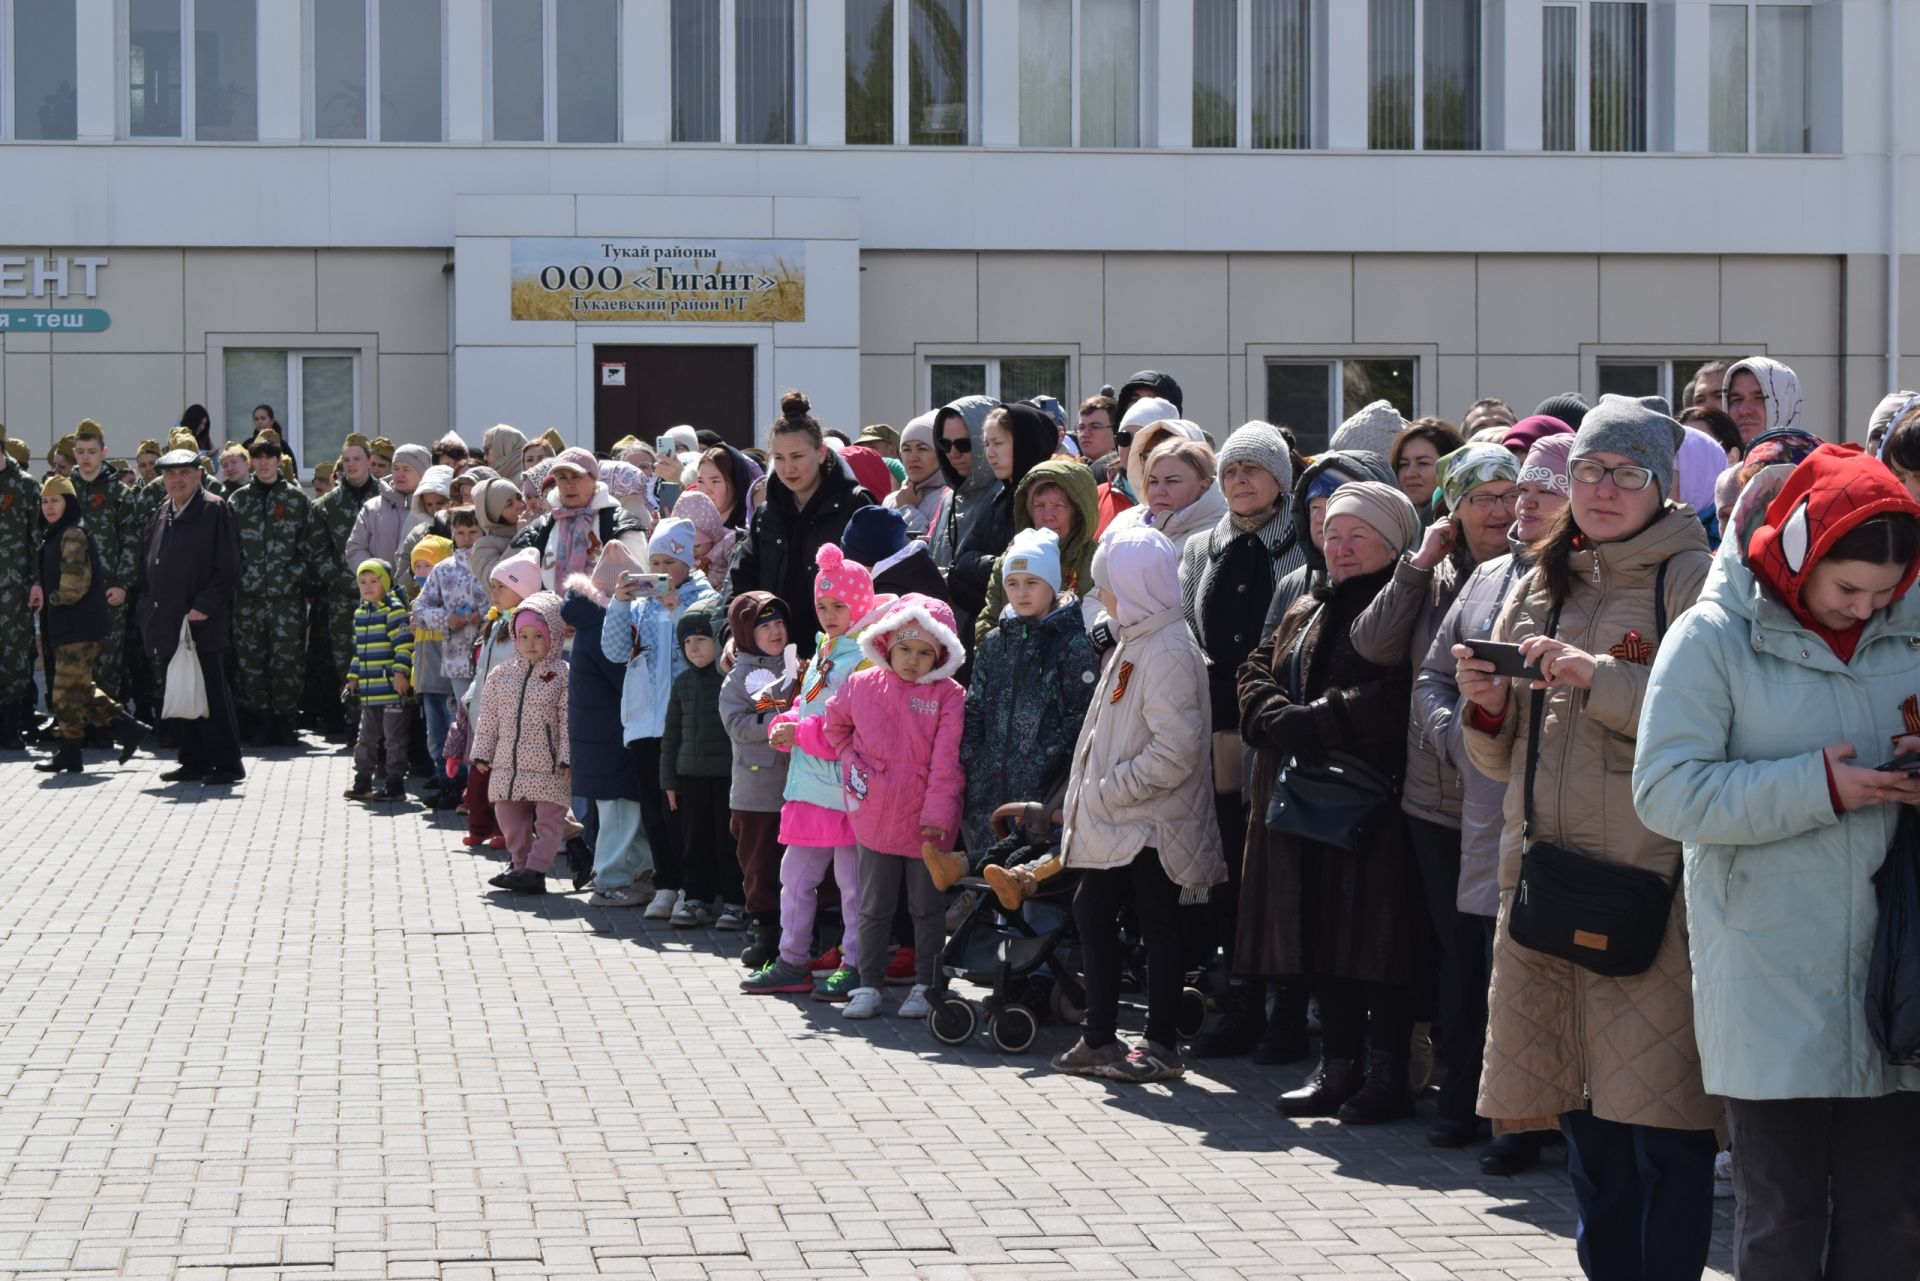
(659, 280)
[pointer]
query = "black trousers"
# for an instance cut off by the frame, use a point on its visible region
(1144, 886)
(212, 743)
(1644, 1197)
(1826, 1180)
(1356, 1017)
(709, 861)
(1460, 1006)
(661, 824)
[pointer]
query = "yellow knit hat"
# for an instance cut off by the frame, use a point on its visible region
(432, 549)
(57, 485)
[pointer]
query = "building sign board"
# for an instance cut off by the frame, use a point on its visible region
(673, 281)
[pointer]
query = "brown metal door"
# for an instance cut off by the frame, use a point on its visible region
(642, 391)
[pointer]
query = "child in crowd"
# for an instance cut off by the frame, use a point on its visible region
(712, 540)
(511, 581)
(640, 632)
(813, 822)
(696, 769)
(451, 602)
(430, 684)
(757, 689)
(1033, 675)
(382, 657)
(520, 744)
(895, 730)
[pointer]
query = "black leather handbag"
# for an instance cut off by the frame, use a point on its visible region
(1601, 916)
(1338, 800)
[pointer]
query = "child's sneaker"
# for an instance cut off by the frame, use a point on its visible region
(525, 881)
(838, 986)
(827, 962)
(776, 978)
(618, 896)
(362, 789)
(916, 1006)
(1148, 1062)
(903, 969)
(473, 842)
(1084, 1060)
(733, 916)
(663, 904)
(692, 914)
(863, 1004)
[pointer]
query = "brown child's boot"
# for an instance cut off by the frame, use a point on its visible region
(1015, 885)
(944, 866)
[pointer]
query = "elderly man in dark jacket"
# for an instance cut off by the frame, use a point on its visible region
(188, 569)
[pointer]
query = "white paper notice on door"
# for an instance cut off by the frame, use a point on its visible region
(613, 373)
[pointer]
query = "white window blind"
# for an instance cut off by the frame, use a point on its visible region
(1727, 77)
(1781, 81)
(1109, 73)
(1618, 76)
(695, 59)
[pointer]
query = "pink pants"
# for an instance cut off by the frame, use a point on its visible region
(535, 831)
(801, 872)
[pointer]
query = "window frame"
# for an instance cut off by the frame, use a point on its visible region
(1583, 81)
(9, 75)
(370, 87)
(550, 79)
(1243, 79)
(1144, 83)
(902, 78)
(1424, 357)
(189, 86)
(990, 356)
(729, 88)
(1751, 88)
(1486, 69)
(293, 412)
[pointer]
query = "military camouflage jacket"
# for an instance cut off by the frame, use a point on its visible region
(19, 528)
(334, 513)
(110, 516)
(274, 524)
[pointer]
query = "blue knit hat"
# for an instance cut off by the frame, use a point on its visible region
(873, 534)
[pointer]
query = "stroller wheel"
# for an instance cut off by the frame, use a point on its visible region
(1061, 1006)
(952, 1021)
(1193, 1012)
(1012, 1029)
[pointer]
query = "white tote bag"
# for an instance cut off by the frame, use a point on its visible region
(186, 697)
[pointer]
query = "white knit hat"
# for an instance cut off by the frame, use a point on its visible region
(1033, 551)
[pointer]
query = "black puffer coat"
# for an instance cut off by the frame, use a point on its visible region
(602, 766)
(777, 554)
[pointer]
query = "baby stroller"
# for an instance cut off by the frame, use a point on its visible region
(1030, 956)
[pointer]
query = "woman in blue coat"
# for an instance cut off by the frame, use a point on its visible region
(1769, 702)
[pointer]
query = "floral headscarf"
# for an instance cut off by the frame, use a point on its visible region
(1469, 467)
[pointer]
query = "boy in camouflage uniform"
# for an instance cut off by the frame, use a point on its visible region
(105, 506)
(272, 519)
(19, 545)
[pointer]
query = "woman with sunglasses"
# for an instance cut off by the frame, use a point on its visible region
(1613, 1059)
(959, 432)
(1476, 486)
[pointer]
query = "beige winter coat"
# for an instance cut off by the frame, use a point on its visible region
(1142, 768)
(1558, 1034)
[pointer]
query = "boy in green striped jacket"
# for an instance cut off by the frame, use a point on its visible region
(382, 658)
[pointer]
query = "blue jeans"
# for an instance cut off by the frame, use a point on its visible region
(439, 711)
(622, 852)
(1645, 1197)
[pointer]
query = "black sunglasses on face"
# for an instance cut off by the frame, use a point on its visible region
(963, 445)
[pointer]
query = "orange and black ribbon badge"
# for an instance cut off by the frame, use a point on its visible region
(1910, 713)
(1120, 684)
(1633, 648)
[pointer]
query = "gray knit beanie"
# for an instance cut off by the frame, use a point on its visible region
(1262, 444)
(1373, 428)
(1622, 425)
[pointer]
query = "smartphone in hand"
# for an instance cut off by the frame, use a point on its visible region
(1506, 659)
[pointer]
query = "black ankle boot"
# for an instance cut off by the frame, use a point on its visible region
(129, 733)
(66, 758)
(1331, 1085)
(1385, 1096)
(1243, 1021)
(10, 740)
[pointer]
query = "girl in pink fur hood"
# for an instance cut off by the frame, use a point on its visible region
(895, 730)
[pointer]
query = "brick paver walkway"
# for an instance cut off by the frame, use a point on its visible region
(275, 1034)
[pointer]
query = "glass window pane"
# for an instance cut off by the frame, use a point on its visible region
(1046, 73)
(1024, 377)
(226, 71)
(1559, 77)
(1282, 74)
(339, 68)
(951, 382)
(586, 37)
(1216, 64)
(1451, 58)
(1109, 73)
(1364, 381)
(696, 71)
(870, 72)
(1780, 80)
(326, 405)
(45, 105)
(519, 72)
(253, 378)
(1618, 76)
(1727, 78)
(1630, 377)
(1390, 75)
(763, 50)
(153, 68)
(937, 74)
(410, 73)
(1299, 397)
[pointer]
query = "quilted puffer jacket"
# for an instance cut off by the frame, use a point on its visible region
(521, 732)
(1557, 1033)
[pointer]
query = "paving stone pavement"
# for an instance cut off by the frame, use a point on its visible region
(271, 1033)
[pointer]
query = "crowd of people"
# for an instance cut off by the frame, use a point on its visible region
(1525, 763)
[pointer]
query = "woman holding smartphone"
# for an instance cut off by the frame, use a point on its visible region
(1612, 1058)
(1765, 714)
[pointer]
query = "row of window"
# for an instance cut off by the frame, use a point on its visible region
(376, 71)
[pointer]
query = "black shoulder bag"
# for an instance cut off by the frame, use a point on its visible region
(1603, 917)
(1338, 801)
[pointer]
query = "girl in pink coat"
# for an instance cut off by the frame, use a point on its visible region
(520, 744)
(895, 729)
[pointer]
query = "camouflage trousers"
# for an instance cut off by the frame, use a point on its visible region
(270, 644)
(77, 701)
(340, 607)
(109, 669)
(16, 647)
